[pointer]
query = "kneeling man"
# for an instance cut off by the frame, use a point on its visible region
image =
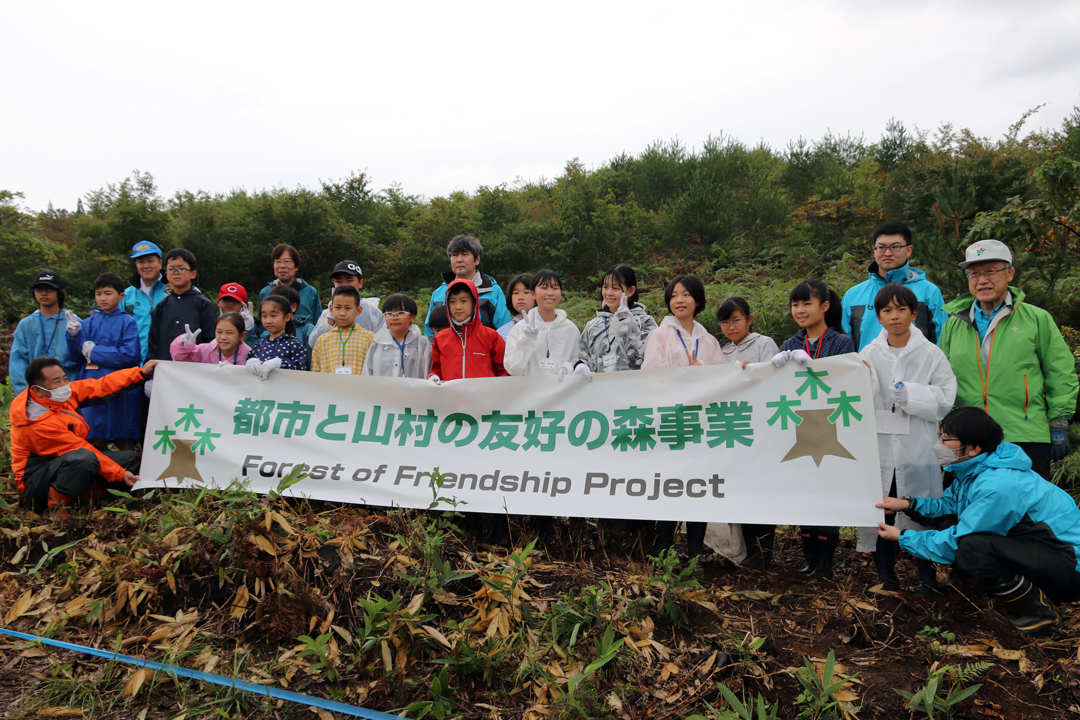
(1018, 536)
(54, 465)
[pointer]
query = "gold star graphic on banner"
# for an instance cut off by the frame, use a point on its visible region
(182, 463)
(815, 437)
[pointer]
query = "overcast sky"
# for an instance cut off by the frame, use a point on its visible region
(451, 96)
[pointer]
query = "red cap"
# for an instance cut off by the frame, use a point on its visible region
(235, 291)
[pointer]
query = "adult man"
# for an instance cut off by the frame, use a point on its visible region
(348, 272)
(54, 465)
(464, 252)
(892, 247)
(145, 290)
(1009, 357)
(1017, 536)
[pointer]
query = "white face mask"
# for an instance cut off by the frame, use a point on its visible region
(947, 456)
(60, 394)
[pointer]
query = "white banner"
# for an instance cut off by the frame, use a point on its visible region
(794, 445)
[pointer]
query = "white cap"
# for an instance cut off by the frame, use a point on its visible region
(986, 250)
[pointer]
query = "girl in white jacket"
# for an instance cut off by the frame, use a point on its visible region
(399, 348)
(914, 387)
(545, 342)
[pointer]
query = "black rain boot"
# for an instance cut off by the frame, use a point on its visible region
(927, 575)
(665, 537)
(885, 562)
(759, 546)
(826, 551)
(1028, 609)
(695, 538)
(811, 550)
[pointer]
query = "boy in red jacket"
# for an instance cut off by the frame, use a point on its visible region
(466, 349)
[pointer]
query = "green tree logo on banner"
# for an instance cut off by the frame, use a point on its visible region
(184, 443)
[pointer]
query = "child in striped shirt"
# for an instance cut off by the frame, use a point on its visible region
(342, 349)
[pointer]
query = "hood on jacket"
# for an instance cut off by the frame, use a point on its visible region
(961, 305)
(903, 274)
(473, 321)
(635, 307)
(1007, 456)
(917, 338)
(486, 282)
(383, 336)
(672, 321)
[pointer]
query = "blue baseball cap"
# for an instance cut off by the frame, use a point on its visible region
(145, 247)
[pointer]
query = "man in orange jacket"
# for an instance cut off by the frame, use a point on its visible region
(54, 464)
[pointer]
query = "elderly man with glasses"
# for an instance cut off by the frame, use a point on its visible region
(1009, 358)
(892, 247)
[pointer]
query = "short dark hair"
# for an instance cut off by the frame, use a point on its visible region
(625, 276)
(547, 277)
(692, 286)
(465, 243)
(284, 307)
(235, 318)
(399, 301)
(348, 291)
(437, 320)
(896, 293)
(523, 279)
(972, 426)
(457, 288)
(34, 371)
(892, 227)
(288, 292)
(812, 287)
(282, 248)
(183, 254)
(730, 306)
(110, 280)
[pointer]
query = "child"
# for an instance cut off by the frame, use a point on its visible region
(343, 349)
(281, 349)
(303, 331)
(519, 300)
(545, 342)
(438, 320)
(399, 349)
(817, 311)
(232, 298)
(370, 318)
(615, 339)
(109, 341)
(681, 341)
(40, 332)
(227, 347)
(467, 348)
(914, 388)
(184, 306)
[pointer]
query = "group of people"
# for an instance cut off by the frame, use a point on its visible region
(1017, 536)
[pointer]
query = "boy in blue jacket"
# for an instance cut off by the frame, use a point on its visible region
(42, 332)
(106, 342)
(1017, 537)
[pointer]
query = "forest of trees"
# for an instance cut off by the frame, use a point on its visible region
(735, 215)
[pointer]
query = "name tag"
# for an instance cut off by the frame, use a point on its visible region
(610, 359)
(91, 367)
(343, 370)
(547, 364)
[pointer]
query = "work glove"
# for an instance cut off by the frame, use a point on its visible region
(247, 311)
(73, 324)
(780, 359)
(1059, 441)
(87, 347)
(800, 356)
(148, 387)
(435, 379)
(898, 393)
(329, 317)
(267, 366)
(623, 313)
(583, 369)
(188, 338)
(254, 366)
(529, 326)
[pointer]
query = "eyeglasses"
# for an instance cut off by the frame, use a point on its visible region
(177, 271)
(399, 315)
(988, 274)
(895, 247)
(283, 261)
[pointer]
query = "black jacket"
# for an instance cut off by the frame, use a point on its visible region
(169, 316)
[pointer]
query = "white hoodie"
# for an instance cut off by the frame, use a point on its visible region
(386, 359)
(555, 344)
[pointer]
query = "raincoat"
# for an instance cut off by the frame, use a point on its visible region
(906, 435)
(491, 305)
(138, 304)
(558, 342)
(668, 344)
(754, 348)
(38, 335)
(474, 351)
(621, 340)
(308, 309)
(116, 346)
(386, 358)
(860, 319)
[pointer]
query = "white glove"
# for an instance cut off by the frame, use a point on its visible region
(800, 356)
(330, 318)
(583, 369)
(87, 347)
(780, 359)
(271, 364)
(246, 310)
(148, 387)
(564, 370)
(222, 363)
(530, 328)
(623, 313)
(188, 338)
(254, 366)
(435, 379)
(73, 324)
(898, 393)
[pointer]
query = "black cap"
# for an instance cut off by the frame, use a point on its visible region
(349, 268)
(50, 278)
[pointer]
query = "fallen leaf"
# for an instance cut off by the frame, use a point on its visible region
(34, 652)
(323, 714)
(437, 636)
(614, 702)
(20, 555)
(60, 712)
(135, 681)
(21, 606)
(96, 554)
(1009, 654)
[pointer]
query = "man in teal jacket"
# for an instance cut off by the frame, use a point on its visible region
(1017, 536)
(1009, 358)
(144, 291)
(892, 246)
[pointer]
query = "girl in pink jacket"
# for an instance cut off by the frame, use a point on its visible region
(227, 347)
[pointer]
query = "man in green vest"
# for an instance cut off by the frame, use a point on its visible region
(1009, 357)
